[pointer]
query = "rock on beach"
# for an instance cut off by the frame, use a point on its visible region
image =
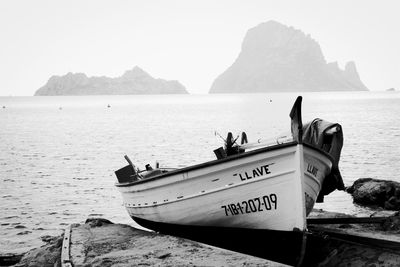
(376, 193)
(47, 255)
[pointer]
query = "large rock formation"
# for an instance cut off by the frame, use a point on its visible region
(277, 58)
(135, 81)
(374, 192)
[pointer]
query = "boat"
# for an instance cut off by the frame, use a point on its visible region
(252, 192)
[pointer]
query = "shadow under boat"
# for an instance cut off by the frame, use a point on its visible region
(280, 246)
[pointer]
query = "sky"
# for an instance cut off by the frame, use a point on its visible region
(189, 41)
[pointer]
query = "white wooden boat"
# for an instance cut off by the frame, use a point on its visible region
(271, 188)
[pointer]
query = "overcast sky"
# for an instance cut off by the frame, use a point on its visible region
(189, 41)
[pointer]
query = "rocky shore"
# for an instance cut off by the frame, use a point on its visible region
(99, 242)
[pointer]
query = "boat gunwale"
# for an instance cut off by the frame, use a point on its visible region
(219, 161)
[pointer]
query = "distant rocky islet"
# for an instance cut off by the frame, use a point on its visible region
(277, 58)
(132, 82)
(273, 58)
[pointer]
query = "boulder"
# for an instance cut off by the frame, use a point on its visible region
(376, 193)
(97, 222)
(47, 255)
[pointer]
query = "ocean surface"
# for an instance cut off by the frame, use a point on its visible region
(58, 154)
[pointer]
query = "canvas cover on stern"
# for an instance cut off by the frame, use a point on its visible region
(328, 137)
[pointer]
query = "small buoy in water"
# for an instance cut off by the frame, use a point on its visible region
(270, 100)
(60, 108)
(4, 106)
(108, 106)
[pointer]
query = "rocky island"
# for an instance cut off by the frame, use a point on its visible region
(132, 82)
(277, 58)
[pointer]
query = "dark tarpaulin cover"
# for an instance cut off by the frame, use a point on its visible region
(328, 137)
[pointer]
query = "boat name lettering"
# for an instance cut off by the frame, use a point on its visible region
(258, 204)
(259, 171)
(312, 169)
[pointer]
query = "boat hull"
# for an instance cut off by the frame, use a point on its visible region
(270, 189)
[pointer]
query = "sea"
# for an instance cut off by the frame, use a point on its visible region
(58, 154)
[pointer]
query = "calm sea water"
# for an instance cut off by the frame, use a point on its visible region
(58, 154)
